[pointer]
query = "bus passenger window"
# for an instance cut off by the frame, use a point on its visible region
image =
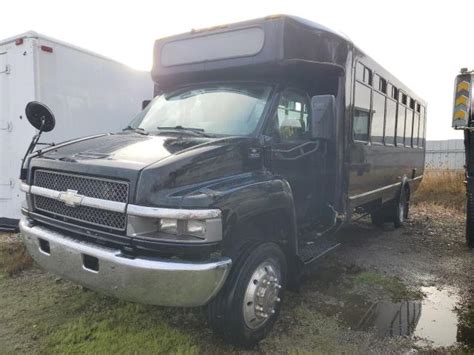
(422, 127)
(380, 84)
(400, 124)
(390, 120)
(361, 125)
(360, 71)
(409, 128)
(378, 116)
(416, 129)
(394, 93)
(361, 119)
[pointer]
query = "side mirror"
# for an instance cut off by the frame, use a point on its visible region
(40, 116)
(323, 114)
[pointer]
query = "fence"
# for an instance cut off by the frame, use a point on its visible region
(445, 155)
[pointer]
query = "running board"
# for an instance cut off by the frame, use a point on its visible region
(314, 250)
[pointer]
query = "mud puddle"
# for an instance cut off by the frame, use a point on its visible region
(432, 317)
(443, 318)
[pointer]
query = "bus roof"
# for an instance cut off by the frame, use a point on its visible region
(260, 48)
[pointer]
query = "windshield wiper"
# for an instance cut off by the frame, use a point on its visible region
(197, 131)
(136, 130)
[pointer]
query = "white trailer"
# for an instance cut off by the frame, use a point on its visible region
(87, 93)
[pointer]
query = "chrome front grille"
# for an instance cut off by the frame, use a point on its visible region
(84, 185)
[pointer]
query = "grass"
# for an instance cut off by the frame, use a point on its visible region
(41, 314)
(124, 329)
(13, 256)
(442, 188)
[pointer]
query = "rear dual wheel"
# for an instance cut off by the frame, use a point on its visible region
(395, 211)
(246, 308)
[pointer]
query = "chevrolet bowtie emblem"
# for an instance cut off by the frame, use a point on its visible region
(70, 198)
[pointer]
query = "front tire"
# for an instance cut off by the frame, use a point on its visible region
(246, 308)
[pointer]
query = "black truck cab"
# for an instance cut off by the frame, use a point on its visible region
(258, 146)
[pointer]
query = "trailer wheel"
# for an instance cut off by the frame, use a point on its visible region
(400, 208)
(246, 308)
(470, 219)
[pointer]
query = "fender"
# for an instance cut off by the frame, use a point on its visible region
(263, 208)
(248, 201)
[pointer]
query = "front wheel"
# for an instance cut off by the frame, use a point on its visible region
(246, 308)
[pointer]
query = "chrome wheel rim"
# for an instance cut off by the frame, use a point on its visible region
(261, 295)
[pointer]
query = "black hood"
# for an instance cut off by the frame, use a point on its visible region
(125, 150)
(151, 163)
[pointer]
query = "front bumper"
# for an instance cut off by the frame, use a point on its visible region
(143, 280)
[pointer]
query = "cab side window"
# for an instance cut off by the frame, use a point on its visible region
(292, 121)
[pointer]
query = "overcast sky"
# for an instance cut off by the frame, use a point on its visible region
(423, 43)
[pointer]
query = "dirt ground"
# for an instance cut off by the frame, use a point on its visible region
(383, 291)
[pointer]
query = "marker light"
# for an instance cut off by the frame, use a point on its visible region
(462, 104)
(461, 100)
(47, 49)
(463, 85)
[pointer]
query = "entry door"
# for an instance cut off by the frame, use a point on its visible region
(295, 156)
(6, 183)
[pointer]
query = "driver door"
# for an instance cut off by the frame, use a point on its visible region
(295, 156)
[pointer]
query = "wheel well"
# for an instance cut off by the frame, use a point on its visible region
(269, 226)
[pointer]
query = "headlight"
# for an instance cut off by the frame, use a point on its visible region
(183, 227)
(195, 227)
(171, 229)
(169, 226)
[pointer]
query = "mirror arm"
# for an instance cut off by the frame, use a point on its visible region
(33, 143)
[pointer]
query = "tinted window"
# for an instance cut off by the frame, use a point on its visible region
(404, 99)
(292, 116)
(360, 72)
(361, 112)
(378, 114)
(368, 76)
(381, 84)
(390, 120)
(231, 44)
(416, 129)
(408, 127)
(422, 126)
(394, 93)
(363, 74)
(400, 124)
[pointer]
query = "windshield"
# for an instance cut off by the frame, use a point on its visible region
(221, 109)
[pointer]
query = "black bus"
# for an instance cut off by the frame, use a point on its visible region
(264, 138)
